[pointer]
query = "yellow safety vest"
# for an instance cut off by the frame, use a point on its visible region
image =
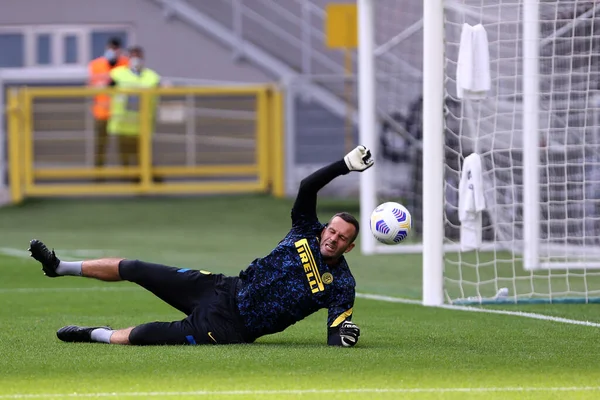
(124, 106)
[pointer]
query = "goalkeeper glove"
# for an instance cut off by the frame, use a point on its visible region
(349, 333)
(359, 159)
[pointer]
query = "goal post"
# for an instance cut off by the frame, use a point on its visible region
(433, 152)
(531, 143)
(537, 133)
(367, 114)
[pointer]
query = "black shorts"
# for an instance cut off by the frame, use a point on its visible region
(208, 300)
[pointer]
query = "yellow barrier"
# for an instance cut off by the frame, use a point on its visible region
(14, 128)
(36, 169)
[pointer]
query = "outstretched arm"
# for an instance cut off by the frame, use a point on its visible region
(305, 206)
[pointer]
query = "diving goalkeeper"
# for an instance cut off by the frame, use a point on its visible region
(306, 272)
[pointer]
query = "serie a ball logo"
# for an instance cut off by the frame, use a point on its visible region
(391, 223)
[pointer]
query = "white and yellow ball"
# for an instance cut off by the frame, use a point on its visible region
(391, 223)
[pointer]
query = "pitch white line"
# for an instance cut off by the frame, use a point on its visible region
(14, 252)
(65, 254)
(70, 289)
(307, 391)
(388, 299)
(482, 310)
(525, 315)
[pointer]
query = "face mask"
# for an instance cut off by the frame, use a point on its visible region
(136, 63)
(111, 56)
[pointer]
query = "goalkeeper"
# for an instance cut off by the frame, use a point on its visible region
(304, 273)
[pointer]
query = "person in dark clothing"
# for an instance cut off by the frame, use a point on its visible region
(306, 272)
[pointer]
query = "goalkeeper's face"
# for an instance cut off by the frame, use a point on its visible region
(337, 238)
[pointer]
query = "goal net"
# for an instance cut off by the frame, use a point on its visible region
(540, 241)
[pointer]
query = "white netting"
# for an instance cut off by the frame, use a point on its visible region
(569, 161)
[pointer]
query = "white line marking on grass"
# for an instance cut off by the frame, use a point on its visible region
(482, 310)
(14, 252)
(388, 299)
(71, 289)
(542, 317)
(86, 252)
(307, 391)
(71, 255)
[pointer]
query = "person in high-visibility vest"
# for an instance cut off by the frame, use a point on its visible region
(125, 115)
(99, 76)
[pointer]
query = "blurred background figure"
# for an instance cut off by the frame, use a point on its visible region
(125, 118)
(99, 76)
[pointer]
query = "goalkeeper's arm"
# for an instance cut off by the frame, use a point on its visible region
(305, 206)
(341, 331)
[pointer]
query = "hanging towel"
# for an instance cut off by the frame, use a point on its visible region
(471, 203)
(464, 67)
(473, 68)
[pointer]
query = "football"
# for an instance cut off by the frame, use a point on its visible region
(391, 223)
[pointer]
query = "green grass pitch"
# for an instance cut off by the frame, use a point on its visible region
(405, 352)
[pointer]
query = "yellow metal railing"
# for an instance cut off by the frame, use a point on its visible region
(264, 174)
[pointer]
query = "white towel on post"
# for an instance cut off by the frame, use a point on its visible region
(464, 67)
(473, 79)
(471, 203)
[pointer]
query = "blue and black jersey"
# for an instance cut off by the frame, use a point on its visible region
(293, 281)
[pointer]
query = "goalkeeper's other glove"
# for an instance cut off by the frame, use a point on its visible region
(359, 159)
(349, 333)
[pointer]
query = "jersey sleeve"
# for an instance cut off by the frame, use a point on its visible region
(304, 211)
(337, 313)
